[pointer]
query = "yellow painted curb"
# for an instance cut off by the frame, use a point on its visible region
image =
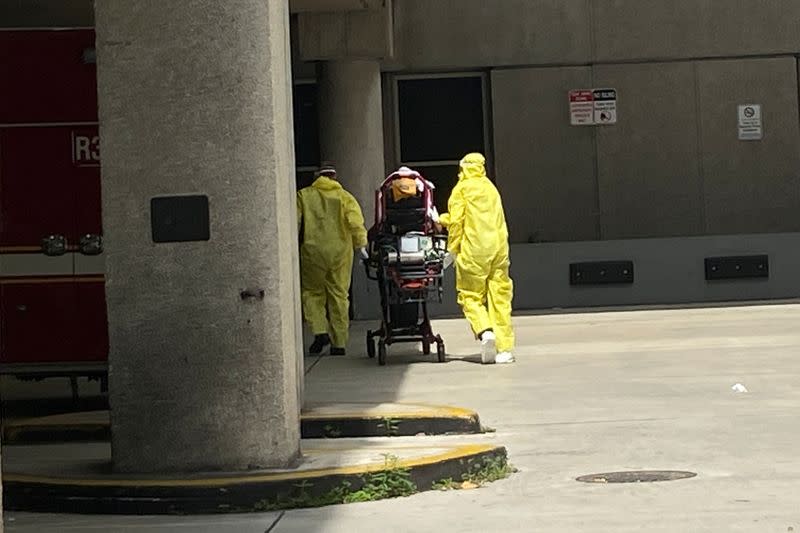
(456, 453)
(322, 421)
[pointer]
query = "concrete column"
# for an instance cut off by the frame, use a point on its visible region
(351, 136)
(195, 98)
(351, 126)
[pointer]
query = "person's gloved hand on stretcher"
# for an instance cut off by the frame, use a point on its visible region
(434, 216)
(449, 258)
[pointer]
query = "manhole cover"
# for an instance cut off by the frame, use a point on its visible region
(641, 476)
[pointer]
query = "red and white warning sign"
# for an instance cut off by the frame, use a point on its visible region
(581, 107)
(592, 107)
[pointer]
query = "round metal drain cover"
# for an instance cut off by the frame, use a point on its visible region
(640, 476)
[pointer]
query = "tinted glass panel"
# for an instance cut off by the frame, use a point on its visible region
(444, 178)
(306, 126)
(441, 119)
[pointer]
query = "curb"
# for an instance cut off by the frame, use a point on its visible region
(402, 421)
(221, 494)
(426, 420)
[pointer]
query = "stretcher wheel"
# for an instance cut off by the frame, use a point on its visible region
(370, 345)
(426, 347)
(381, 353)
(440, 353)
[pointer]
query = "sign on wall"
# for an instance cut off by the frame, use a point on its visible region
(593, 107)
(751, 127)
(581, 108)
(605, 106)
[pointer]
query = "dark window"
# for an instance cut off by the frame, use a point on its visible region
(306, 126)
(305, 178)
(444, 178)
(441, 119)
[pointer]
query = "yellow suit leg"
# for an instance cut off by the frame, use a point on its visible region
(313, 297)
(501, 294)
(471, 286)
(337, 287)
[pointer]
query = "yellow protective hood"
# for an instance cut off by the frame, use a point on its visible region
(326, 184)
(472, 166)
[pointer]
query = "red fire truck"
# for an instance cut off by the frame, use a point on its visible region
(52, 300)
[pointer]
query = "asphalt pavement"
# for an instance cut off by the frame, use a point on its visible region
(591, 393)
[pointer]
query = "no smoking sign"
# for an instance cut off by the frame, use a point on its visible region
(751, 127)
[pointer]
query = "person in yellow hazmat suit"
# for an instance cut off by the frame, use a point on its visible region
(478, 238)
(331, 227)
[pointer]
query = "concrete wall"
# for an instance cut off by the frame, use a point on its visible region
(655, 29)
(667, 271)
(648, 169)
(544, 167)
(476, 33)
(750, 186)
(365, 34)
(672, 166)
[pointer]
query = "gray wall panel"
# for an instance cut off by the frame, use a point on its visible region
(545, 167)
(477, 33)
(668, 271)
(750, 186)
(469, 33)
(659, 29)
(348, 35)
(648, 168)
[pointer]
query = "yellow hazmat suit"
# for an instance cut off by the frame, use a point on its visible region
(331, 226)
(479, 239)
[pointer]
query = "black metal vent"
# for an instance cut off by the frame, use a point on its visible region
(601, 273)
(737, 267)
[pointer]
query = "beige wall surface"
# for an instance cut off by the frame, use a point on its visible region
(750, 186)
(478, 33)
(673, 165)
(648, 168)
(545, 168)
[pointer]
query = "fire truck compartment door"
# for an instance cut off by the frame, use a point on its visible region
(38, 321)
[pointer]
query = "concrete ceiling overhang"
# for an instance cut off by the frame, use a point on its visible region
(330, 6)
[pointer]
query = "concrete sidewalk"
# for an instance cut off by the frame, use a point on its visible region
(590, 393)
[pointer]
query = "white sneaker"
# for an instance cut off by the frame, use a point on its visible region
(504, 358)
(488, 348)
